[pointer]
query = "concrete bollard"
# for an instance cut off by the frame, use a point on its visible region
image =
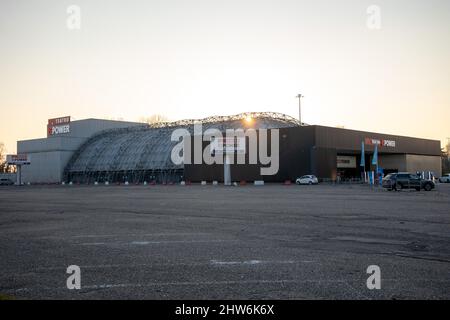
(126, 183)
(215, 183)
(95, 183)
(182, 183)
(204, 183)
(106, 183)
(259, 183)
(145, 183)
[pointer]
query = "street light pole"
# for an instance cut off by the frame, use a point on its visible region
(299, 96)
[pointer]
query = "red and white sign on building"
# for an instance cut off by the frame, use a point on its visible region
(58, 126)
(380, 142)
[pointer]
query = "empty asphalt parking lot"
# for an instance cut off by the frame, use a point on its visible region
(215, 242)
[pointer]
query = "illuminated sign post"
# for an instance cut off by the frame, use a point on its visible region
(18, 160)
(58, 126)
(228, 146)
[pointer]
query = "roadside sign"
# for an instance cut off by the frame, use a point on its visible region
(228, 145)
(18, 159)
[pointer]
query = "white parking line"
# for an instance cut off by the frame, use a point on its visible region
(123, 235)
(166, 264)
(186, 283)
(252, 262)
(214, 283)
(140, 243)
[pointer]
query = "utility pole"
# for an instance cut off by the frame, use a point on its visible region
(299, 96)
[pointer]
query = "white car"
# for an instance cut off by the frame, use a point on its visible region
(445, 178)
(309, 179)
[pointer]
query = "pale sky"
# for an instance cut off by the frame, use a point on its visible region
(197, 58)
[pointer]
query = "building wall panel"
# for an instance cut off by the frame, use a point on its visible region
(420, 163)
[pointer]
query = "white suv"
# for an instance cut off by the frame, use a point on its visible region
(445, 178)
(309, 179)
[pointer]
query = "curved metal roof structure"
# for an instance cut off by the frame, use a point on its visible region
(144, 152)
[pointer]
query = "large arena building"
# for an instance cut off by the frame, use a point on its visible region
(93, 150)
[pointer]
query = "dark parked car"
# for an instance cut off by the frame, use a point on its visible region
(6, 182)
(445, 178)
(405, 180)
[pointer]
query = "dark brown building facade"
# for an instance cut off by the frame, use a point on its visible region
(329, 153)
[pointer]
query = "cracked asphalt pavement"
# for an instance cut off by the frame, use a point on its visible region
(216, 242)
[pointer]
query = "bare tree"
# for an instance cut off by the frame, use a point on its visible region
(3, 166)
(155, 118)
(448, 148)
(445, 159)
